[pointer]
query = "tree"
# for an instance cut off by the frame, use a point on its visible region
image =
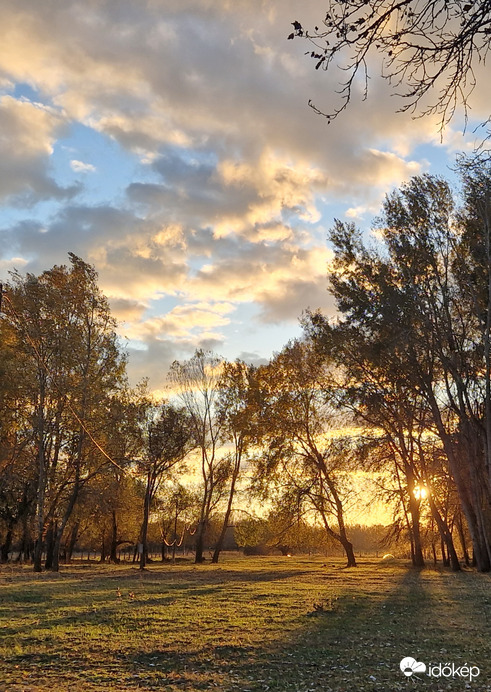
(397, 421)
(418, 312)
(196, 382)
(178, 517)
(168, 440)
(114, 491)
(428, 47)
(236, 410)
(18, 477)
(301, 452)
(66, 338)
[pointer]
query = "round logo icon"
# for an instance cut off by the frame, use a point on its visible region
(410, 665)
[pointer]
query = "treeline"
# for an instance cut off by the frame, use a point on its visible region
(397, 387)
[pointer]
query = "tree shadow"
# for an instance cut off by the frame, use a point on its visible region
(355, 642)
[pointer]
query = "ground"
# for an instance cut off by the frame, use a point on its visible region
(248, 624)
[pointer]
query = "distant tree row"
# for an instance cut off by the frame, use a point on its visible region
(390, 401)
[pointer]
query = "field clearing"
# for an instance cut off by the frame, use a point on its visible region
(247, 624)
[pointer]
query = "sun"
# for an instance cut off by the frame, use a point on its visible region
(420, 492)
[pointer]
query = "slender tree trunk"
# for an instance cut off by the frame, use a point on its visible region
(339, 537)
(146, 515)
(418, 558)
(174, 542)
(72, 541)
(50, 544)
(463, 541)
(223, 532)
(348, 549)
(113, 556)
(451, 557)
(433, 550)
(445, 559)
(203, 522)
(326, 480)
(41, 489)
(25, 543)
(58, 536)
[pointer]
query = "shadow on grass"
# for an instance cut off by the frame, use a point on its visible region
(360, 643)
(374, 619)
(357, 645)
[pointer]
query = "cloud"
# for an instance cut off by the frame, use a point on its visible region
(136, 258)
(12, 264)
(155, 357)
(229, 178)
(125, 310)
(293, 296)
(182, 321)
(252, 358)
(269, 276)
(81, 167)
(29, 131)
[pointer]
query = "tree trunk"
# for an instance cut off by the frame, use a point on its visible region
(41, 489)
(341, 537)
(350, 553)
(451, 557)
(445, 560)
(200, 541)
(55, 567)
(433, 550)
(113, 556)
(50, 544)
(6, 545)
(463, 542)
(103, 548)
(144, 527)
(223, 532)
(418, 558)
(72, 541)
(26, 541)
(466, 487)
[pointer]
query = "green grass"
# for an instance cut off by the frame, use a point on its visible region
(246, 624)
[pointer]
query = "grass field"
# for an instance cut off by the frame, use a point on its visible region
(246, 624)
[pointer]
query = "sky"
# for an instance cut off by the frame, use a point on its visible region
(169, 143)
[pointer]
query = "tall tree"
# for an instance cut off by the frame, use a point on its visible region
(237, 412)
(123, 439)
(18, 476)
(67, 339)
(408, 310)
(296, 428)
(197, 385)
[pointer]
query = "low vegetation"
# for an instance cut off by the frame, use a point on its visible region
(248, 624)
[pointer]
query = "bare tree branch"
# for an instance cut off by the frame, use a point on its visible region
(428, 48)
